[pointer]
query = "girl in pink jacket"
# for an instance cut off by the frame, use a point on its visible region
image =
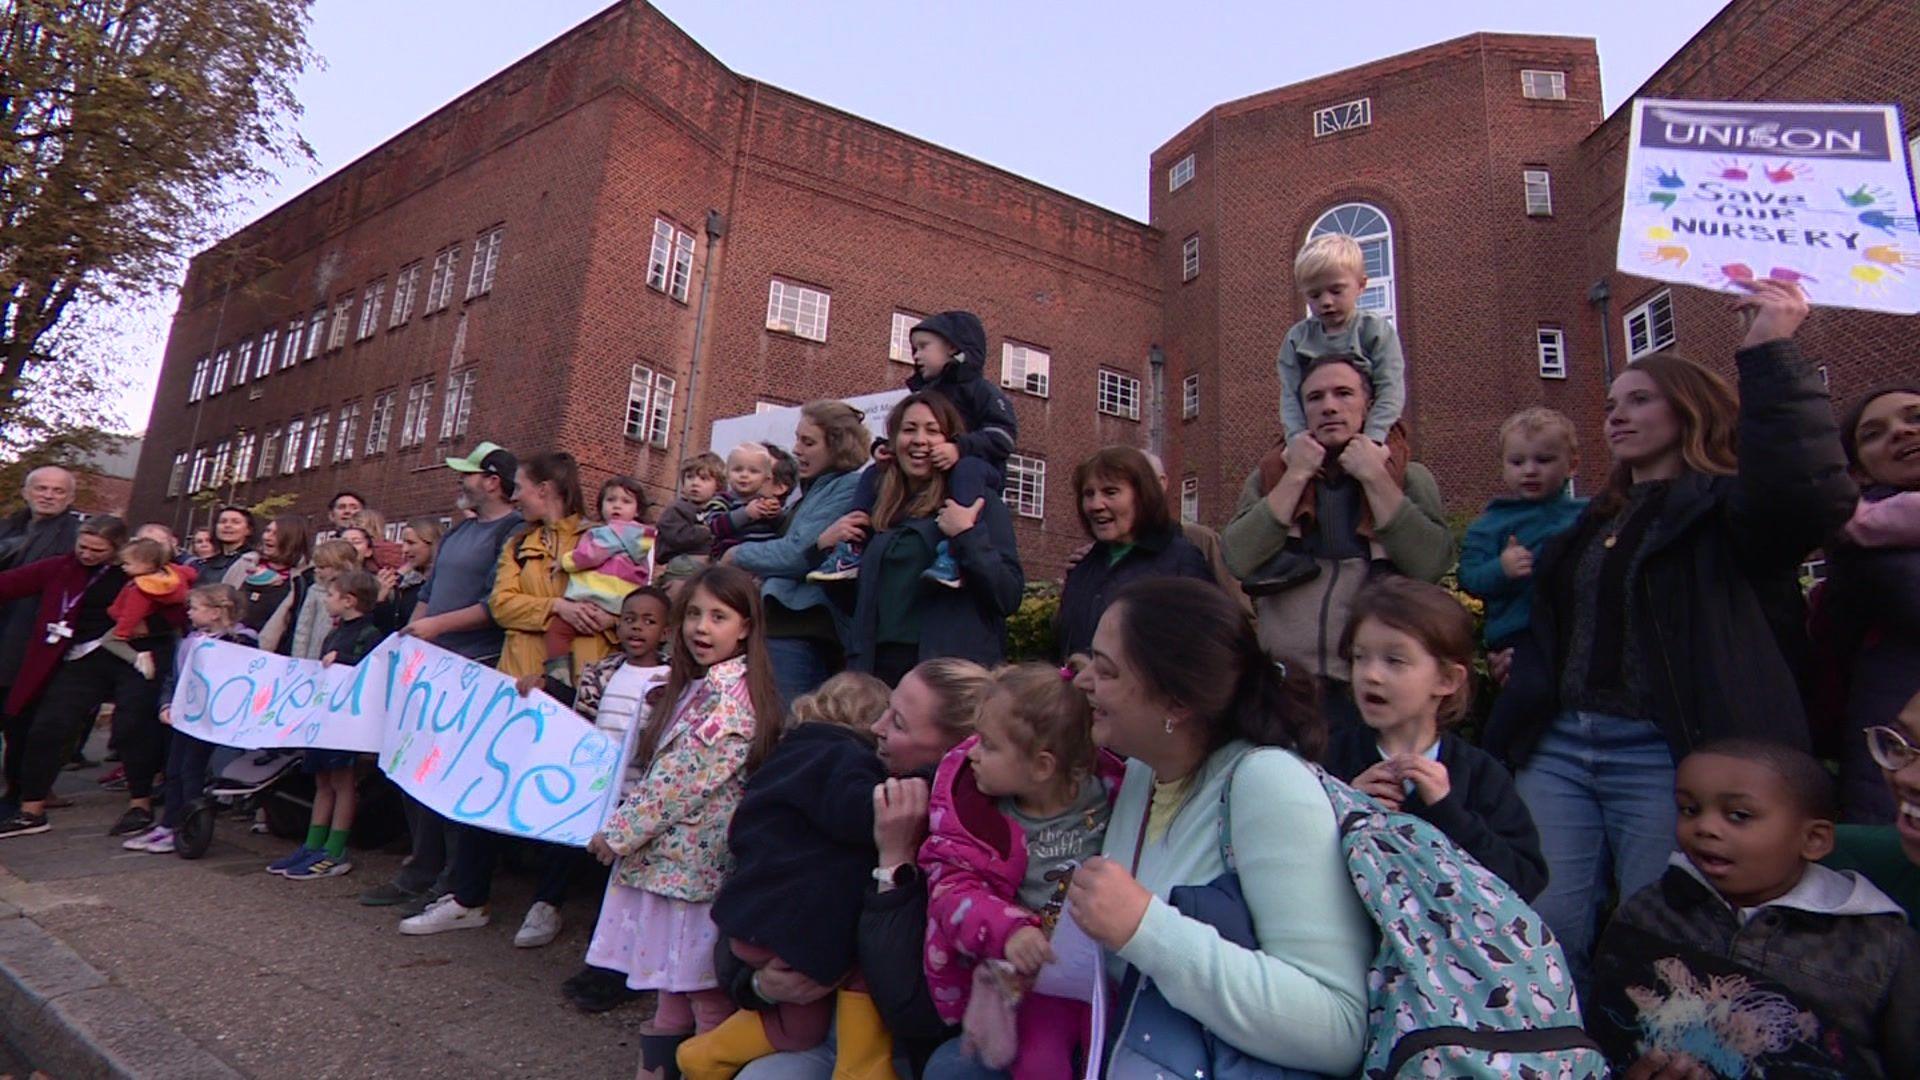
(1014, 810)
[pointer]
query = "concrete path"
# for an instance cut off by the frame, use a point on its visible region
(216, 968)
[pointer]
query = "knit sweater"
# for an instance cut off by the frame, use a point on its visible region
(1316, 941)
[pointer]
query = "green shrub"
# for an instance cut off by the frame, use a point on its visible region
(1030, 628)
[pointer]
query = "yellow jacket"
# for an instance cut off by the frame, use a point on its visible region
(525, 585)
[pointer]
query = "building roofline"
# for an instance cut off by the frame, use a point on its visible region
(1626, 103)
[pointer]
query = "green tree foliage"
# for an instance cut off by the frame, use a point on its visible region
(126, 128)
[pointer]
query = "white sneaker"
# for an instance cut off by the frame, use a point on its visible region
(140, 842)
(443, 915)
(540, 928)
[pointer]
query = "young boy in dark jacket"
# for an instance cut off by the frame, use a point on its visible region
(681, 529)
(1749, 957)
(949, 357)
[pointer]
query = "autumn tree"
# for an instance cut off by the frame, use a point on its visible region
(127, 128)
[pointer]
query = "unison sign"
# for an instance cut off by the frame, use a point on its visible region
(1768, 130)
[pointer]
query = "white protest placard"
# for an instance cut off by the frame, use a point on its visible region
(455, 734)
(1822, 195)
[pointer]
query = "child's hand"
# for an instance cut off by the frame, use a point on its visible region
(1382, 782)
(327, 660)
(1429, 777)
(765, 508)
(1364, 460)
(1500, 665)
(945, 456)
(882, 453)
(1515, 560)
(166, 715)
(1028, 950)
(600, 849)
(955, 519)
(143, 663)
(528, 683)
(1305, 455)
(849, 528)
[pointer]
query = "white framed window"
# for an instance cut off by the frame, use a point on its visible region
(316, 439)
(342, 323)
(243, 448)
(459, 404)
(1190, 258)
(1190, 498)
(440, 285)
(1821, 370)
(269, 451)
(290, 348)
(243, 363)
(197, 478)
(378, 421)
(290, 459)
(1539, 187)
(264, 365)
(222, 460)
(1552, 343)
(217, 381)
(413, 425)
(1025, 368)
(316, 331)
(177, 475)
(1118, 395)
(406, 289)
(1650, 325)
(670, 262)
(1345, 116)
(486, 260)
(1027, 485)
(797, 310)
(344, 435)
(900, 338)
(1543, 85)
(1369, 227)
(761, 408)
(1190, 397)
(1180, 174)
(650, 405)
(370, 309)
(394, 530)
(197, 387)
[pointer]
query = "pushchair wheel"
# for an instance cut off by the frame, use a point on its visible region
(195, 834)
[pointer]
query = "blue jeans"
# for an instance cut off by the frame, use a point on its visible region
(1600, 789)
(949, 1063)
(799, 665)
(814, 1064)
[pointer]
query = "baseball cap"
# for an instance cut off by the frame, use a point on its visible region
(490, 458)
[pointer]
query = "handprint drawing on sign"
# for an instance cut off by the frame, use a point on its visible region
(1885, 222)
(1789, 172)
(1864, 195)
(1731, 169)
(1892, 256)
(1665, 253)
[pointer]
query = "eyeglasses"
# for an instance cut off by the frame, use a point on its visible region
(1890, 749)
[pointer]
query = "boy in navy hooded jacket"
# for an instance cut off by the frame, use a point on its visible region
(949, 357)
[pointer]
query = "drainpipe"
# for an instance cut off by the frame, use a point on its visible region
(1597, 297)
(716, 228)
(1157, 411)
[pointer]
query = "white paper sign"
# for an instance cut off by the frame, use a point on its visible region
(1077, 962)
(1821, 195)
(452, 733)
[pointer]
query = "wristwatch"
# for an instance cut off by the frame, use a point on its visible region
(895, 876)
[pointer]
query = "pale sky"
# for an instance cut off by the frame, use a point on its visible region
(1074, 94)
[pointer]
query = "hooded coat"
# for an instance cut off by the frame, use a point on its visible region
(991, 427)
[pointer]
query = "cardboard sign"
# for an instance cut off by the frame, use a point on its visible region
(1821, 195)
(452, 733)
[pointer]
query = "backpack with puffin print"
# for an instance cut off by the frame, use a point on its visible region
(1468, 980)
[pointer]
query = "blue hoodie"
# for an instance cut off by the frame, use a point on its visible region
(1534, 521)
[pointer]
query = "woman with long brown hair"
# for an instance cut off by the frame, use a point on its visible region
(1670, 614)
(901, 614)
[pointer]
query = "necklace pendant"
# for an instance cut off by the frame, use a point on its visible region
(1610, 541)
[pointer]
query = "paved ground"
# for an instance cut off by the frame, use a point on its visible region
(283, 978)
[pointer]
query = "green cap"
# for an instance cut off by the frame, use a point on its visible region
(490, 458)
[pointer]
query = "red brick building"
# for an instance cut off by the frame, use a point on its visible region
(618, 240)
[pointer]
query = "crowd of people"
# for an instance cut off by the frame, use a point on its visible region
(855, 841)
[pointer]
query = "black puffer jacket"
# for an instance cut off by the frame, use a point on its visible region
(1875, 598)
(1094, 580)
(1719, 584)
(991, 427)
(969, 622)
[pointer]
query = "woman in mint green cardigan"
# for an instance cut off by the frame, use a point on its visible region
(1180, 686)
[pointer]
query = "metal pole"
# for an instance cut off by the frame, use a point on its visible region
(716, 228)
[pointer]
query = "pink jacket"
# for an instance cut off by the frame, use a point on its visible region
(1890, 522)
(975, 857)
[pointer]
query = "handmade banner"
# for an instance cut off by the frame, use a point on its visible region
(1822, 195)
(452, 733)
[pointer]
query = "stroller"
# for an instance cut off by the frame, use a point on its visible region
(271, 782)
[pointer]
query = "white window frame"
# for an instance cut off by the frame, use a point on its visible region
(1026, 368)
(486, 260)
(1372, 229)
(290, 345)
(1541, 84)
(649, 416)
(1647, 339)
(263, 366)
(1539, 188)
(220, 460)
(243, 448)
(344, 431)
(177, 475)
(342, 323)
(1190, 397)
(379, 421)
(1180, 174)
(370, 298)
(440, 285)
(1551, 344)
(243, 363)
(1190, 258)
(197, 386)
(413, 426)
(1027, 486)
(800, 310)
(900, 337)
(290, 451)
(459, 405)
(317, 439)
(197, 476)
(670, 261)
(1189, 498)
(316, 331)
(217, 381)
(1346, 116)
(1117, 394)
(269, 451)
(406, 289)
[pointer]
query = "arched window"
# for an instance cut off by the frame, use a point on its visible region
(1369, 226)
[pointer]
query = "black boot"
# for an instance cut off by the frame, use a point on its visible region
(658, 1051)
(1280, 573)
